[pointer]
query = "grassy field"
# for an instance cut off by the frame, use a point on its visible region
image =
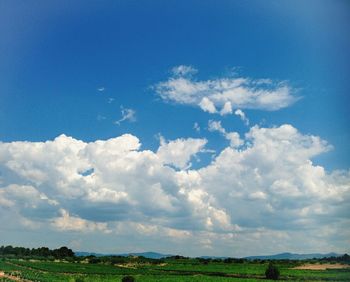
(169, 270)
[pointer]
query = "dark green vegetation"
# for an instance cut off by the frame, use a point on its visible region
(172, 269)
(128, 278)
(43, 252)
(272, 272)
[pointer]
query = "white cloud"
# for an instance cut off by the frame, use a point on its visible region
(196, 127)
(179, 152)
(207, 105)
(275, 175)
(226, 109)
(226, 93)
(216, 126)
(183, 70)
(67, 222)
(233, 137)
(101, 89)
(267, 192)
(127, 115)
(235, 140)
(242, 116)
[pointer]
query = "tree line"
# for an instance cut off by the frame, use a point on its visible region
(62, 252)
(343, 258)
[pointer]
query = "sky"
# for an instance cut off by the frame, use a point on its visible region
(182, 127)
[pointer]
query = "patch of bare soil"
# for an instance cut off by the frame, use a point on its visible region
(11, 277)
(127, 265)
(322, 266)
(136, 265)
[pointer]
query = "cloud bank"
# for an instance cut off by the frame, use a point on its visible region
(266, 190)
(223, 95)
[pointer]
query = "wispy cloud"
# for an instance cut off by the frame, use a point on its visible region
(101, 89)
(127, 115)
(242, 116)
(100, 117)
(196, 127)
(183, 70)
(233, 137)
(223, 95)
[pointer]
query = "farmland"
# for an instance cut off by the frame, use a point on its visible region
(168, 269)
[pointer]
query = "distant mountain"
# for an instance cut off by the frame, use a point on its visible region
(212, 257)
(294, 256)
(152, 255)
(85, 254)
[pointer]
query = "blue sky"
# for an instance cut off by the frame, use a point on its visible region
(159, 68)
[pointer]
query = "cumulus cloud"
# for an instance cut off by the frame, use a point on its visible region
(222, 95)
(226, 109)
(179, 152)
(266, 191)
(127, 115)
(207, 105)
(66, 222)
(275, 174)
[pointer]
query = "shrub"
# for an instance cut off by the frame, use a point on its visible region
(128, 279)
(272, 272)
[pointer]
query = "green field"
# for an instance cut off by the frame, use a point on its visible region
(169, 270)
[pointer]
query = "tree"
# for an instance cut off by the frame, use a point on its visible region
(63, 252)
(128, 279)
(272, 272)
(43, 252)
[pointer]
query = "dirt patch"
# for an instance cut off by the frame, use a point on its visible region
(136, 265)
(322, 266)
(127, 265)
(11, 277)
